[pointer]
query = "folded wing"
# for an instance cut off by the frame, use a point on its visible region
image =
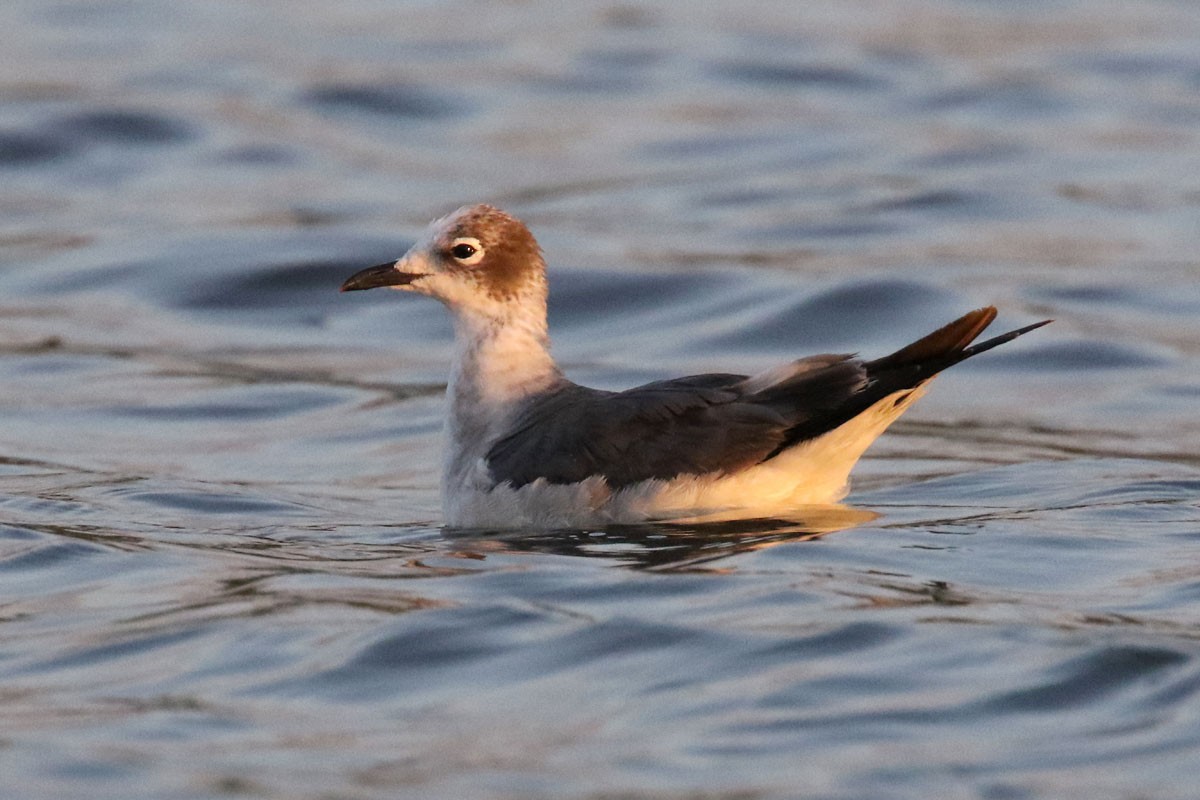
(718, 423)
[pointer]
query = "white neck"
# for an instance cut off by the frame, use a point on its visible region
(499, 361)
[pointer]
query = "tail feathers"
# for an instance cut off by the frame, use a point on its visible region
(906, 369)
(947, 346)
(945, 341)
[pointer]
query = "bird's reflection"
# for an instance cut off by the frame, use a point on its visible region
(669, 545)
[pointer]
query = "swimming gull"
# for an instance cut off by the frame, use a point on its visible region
(526, 447)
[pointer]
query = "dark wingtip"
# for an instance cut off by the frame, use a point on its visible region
(983, 347)
(949, 344)
(945, 341)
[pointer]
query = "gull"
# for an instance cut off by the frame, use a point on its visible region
(526, 447)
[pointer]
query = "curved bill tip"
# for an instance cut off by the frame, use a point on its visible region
(379, 275)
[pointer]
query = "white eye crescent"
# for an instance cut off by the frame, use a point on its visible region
(466, 250)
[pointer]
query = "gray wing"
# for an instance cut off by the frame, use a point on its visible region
(697, 425)
(718, 423)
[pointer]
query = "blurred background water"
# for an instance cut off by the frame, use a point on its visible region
(222, 571)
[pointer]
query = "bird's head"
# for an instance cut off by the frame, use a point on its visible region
(478, 259)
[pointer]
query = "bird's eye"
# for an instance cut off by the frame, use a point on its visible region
(466, 250)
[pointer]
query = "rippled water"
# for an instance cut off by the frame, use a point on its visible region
(222, 571)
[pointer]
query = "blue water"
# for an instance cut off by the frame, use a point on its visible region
(222, 566)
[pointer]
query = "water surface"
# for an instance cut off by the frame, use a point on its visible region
(222, 566)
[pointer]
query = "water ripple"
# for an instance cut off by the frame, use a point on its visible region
(222, 570)
(395, 101)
